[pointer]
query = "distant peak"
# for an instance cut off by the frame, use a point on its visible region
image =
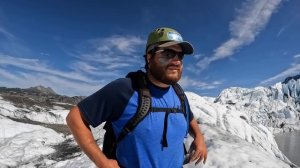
(42, 89)
(290, 78)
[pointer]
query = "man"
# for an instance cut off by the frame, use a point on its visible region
(157, 140)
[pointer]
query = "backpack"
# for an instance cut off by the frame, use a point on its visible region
(139, 83)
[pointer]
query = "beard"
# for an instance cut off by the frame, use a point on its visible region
(164, 74)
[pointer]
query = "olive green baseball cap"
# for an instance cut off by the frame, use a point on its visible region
(165, 37)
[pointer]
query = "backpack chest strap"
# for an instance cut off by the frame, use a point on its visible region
(167, 110)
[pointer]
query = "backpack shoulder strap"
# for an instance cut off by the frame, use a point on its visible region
(180, 93)
(183, 102)
(144, 102)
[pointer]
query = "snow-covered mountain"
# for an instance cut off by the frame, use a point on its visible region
(276, 107)
(238, 125)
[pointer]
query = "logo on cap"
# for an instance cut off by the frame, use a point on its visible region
(174, 36)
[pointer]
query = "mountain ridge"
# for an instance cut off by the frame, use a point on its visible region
(296, 77)
(42, 89)
(38, 96)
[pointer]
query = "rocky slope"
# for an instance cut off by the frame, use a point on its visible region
(38, 96)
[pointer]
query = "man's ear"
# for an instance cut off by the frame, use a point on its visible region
(148, 57)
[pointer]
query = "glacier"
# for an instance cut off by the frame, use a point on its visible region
(239, 127)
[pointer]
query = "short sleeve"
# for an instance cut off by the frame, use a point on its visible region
(108, 103)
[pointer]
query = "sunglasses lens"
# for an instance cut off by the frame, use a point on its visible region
(168, 53)
(180, 55)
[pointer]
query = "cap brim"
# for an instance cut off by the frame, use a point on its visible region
(187, 48)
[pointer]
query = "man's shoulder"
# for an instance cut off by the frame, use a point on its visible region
(120, 82)
(118, 85)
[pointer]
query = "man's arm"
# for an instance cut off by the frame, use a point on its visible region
(84, 137)
(200, 151)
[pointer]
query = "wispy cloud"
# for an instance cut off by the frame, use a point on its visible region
(281, 30)
(110, 55)
(250, 20)
(96, 63)
(187, 82)
(8, 77)
(88, 69)
(287, 25)
(24, 72)
(6, 34)
(98, 57)
(40, 66)
(126, 44)
(198, 56)
(60, 85)
(112, 49)
(11, 44)
(297, 56)
(292, 71)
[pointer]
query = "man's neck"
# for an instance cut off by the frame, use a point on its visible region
(155, 81)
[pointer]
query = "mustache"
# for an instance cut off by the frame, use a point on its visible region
(175, 65)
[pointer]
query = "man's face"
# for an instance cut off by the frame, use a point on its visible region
(166, 64)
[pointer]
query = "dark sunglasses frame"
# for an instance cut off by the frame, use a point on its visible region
(169, 53)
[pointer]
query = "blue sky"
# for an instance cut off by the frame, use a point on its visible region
(76, 47)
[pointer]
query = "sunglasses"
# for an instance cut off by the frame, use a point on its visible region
(169, 53)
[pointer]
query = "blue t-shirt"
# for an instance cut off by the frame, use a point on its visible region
(117, 102)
